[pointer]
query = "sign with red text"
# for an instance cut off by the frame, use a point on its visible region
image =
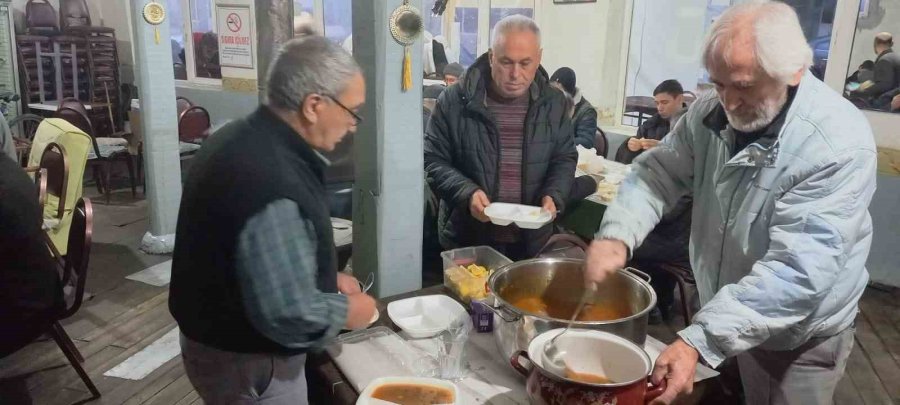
(235, 36)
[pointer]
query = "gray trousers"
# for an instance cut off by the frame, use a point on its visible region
(807, 375)
(226, 378)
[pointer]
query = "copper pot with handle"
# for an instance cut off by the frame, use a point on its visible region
(621, 305)
(627, 369)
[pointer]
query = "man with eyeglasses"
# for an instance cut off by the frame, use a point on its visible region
(255, 283)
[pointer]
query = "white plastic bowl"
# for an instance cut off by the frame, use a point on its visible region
(365, 398)
(426, 316)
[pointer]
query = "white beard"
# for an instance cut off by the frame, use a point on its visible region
(760, 117)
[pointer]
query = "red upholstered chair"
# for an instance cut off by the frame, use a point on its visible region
(193, 128)
(74, 274)
(75, 265)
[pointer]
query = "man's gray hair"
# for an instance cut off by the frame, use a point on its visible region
(779, 45)
(514, 23)
(308, 65)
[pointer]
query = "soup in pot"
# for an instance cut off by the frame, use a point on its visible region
(413, 394)
(586, 377)
(591, 312)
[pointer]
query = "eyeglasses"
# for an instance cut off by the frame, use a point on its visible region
(355, 116)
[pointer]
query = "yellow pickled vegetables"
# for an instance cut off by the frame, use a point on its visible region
(477, 271)
(468, 282)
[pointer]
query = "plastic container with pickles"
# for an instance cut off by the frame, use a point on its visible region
(466, 270)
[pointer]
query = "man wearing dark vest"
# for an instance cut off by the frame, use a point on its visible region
(254, 278)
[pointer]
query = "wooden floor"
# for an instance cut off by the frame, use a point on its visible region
(125, 316)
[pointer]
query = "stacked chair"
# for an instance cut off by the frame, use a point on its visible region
(102, 61)
(63, 55)
(38, 71)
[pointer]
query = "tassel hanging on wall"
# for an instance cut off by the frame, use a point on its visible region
(406, 26)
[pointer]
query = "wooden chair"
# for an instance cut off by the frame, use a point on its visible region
(75, 104)
(564, 245)
(193, 128)
(111, 152)
(74, 16)
(601, 144)
(75, 265)
(182, 103)
(53, 176)
(684, 277)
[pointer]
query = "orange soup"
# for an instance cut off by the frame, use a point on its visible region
(413, 394)
(587, 378)
(591, 312)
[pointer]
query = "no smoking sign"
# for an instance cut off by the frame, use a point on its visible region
(234, 22)
(235, 27)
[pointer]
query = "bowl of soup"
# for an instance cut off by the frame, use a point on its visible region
(409, 391)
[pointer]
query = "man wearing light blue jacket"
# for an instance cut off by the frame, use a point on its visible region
(782, 170)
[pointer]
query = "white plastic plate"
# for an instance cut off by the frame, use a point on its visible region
(524, 216)
(426, 316)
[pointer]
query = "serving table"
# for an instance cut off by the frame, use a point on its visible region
(327, 384)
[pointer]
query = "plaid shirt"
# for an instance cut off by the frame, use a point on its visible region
(276, 266)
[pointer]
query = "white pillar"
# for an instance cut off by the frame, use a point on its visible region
(388, 195)
(155, 80)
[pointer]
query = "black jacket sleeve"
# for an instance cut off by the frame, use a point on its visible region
(445, 180)
(884, 78)
(586, 128)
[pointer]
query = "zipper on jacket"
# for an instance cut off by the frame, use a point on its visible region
(725, 227)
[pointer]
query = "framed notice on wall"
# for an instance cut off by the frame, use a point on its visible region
(235, 28)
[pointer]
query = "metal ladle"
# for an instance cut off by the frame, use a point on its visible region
(553, 357)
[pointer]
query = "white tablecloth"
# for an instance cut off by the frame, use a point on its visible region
(490, 379)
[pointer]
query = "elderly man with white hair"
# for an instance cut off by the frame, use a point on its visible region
(500, 134)
(782, 170)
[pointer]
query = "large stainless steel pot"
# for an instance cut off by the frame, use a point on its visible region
(560, 283)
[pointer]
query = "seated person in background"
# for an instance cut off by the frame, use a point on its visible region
(670, 106)
(668, 242)
(585, 116)
(865, 73)
(429, 99)
(501, 134)
(31, 294)
(887, 69)
(452, 73)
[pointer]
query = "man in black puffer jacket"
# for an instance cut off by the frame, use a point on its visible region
(501, 134)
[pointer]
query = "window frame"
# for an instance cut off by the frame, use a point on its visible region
(190, 64)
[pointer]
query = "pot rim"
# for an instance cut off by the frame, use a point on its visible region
(505, 268)
(625, 342)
